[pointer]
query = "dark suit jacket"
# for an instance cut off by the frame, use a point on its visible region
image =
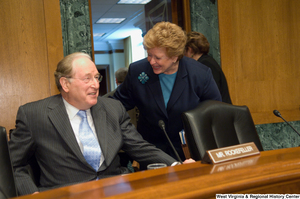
(194, 83)
(218, 76)
(133, 114)
(43, 130)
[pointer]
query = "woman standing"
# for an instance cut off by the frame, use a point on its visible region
(164, 85)
(197, 47)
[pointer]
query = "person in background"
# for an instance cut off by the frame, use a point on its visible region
(197, 47)
(164, 85)
(120, 75)
(75, 136)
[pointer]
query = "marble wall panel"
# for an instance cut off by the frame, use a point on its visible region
(204, 19)
(278, 135)
(76, 30)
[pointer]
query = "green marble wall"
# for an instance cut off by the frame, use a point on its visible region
(278, 135)
(204, 19)
(75, 23)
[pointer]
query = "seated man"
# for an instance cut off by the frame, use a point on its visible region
(75, 136)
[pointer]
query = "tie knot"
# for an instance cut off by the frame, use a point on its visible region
(81, 114)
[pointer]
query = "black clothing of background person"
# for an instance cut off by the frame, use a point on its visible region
(218, 75)
(197, 47)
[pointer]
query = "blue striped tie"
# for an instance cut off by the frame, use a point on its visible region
(91, 148)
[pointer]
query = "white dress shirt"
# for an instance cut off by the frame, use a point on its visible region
(75, 121)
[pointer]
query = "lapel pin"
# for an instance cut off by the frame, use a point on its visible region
(143, 77)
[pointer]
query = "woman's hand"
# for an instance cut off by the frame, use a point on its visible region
(189, 161)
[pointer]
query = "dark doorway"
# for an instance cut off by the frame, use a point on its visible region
(105, 84)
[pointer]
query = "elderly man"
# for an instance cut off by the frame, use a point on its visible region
(75, 136)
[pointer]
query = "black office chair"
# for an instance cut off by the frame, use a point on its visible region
(7, 180)
(213, 124)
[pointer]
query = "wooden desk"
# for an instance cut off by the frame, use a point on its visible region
(276, 171)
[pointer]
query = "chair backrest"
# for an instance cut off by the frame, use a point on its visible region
(7, 181)
(213, 124)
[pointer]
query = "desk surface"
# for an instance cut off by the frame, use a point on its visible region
(276, 171)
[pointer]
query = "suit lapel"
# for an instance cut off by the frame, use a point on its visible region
(99, 119)
(154, 85)
(179, 86)
(59, 117)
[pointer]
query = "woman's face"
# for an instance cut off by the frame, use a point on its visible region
(160, 62)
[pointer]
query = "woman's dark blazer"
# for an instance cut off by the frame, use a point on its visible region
(194, 83)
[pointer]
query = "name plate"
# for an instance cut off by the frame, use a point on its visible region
(230, 153)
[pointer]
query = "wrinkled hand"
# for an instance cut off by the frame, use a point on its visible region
(189, 161)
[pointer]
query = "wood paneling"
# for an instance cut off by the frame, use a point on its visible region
(187, 16)
(181, 14)
(54, 39)
(260, 48)
(30, 48)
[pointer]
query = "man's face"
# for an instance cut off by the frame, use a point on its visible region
(83, 87)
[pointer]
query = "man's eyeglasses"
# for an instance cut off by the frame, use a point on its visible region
(87, 80)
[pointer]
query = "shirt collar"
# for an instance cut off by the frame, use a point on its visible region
(72, 111)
